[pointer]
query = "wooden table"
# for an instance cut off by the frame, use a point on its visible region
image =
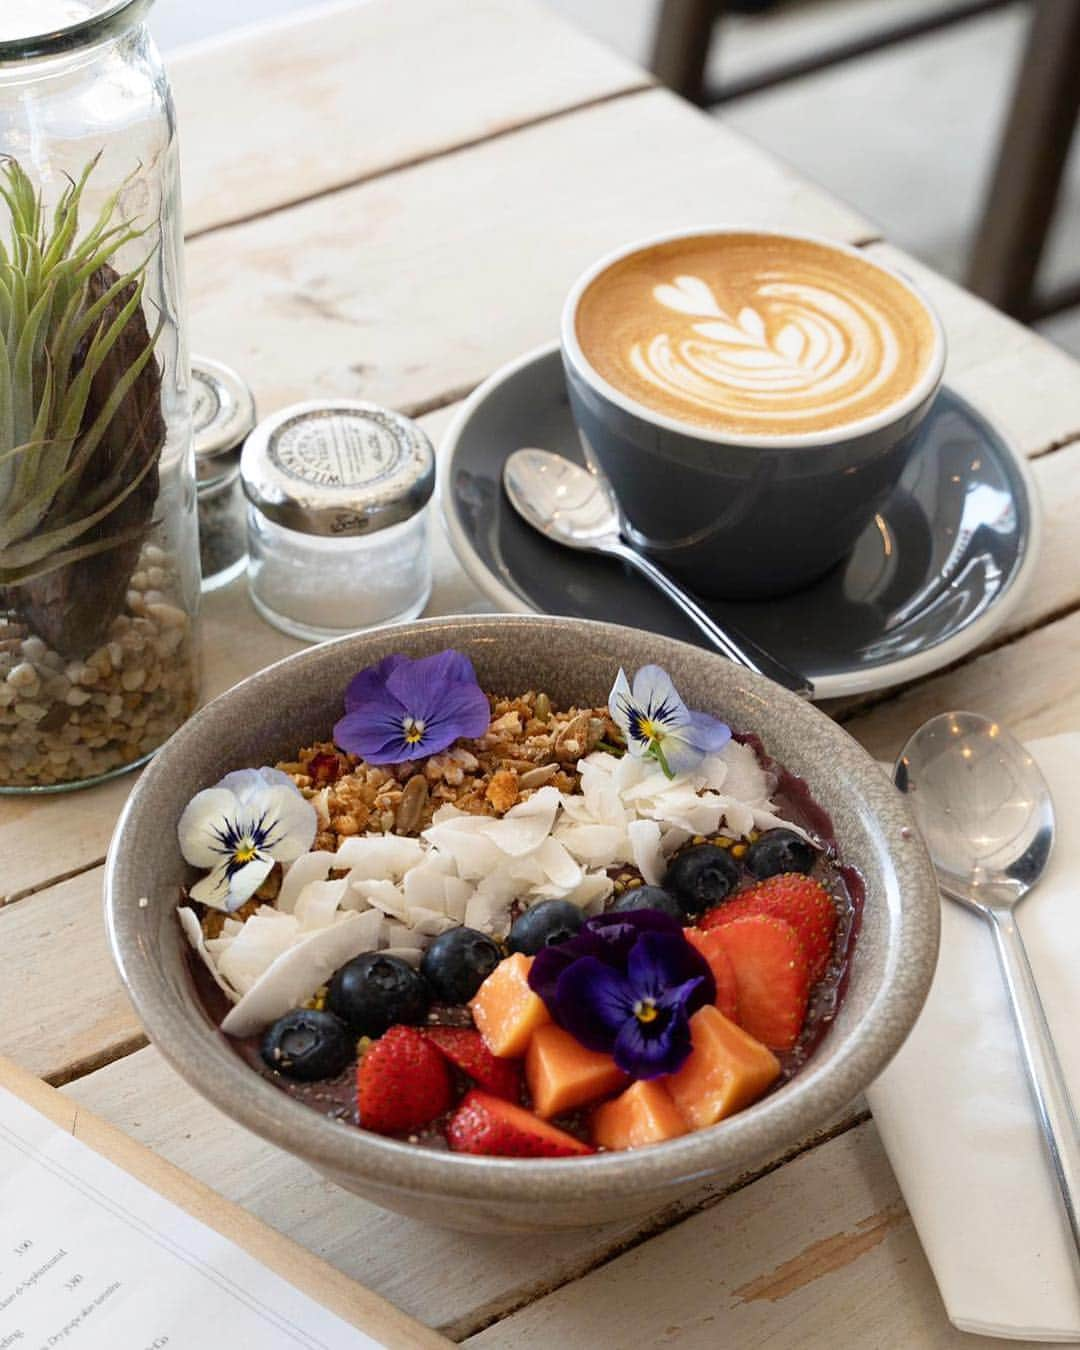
(388, 201)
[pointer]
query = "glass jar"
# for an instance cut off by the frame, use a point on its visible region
(337, 520)
(99, 575)
(222, 416)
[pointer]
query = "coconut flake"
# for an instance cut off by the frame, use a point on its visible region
(378, 857)
(308, 867)
(189, 922)
(263, 938)
(297, 973)
(317, 903)
(648, 856)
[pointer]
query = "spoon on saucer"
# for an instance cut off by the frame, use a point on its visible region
(986, 814)
(574, 507)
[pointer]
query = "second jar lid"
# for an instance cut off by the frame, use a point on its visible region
(222, 415)
(338, 467)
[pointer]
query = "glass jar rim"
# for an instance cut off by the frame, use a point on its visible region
(114, 19)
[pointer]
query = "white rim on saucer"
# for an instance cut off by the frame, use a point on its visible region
(858, 681)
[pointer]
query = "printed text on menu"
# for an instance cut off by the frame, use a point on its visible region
(92, 1259)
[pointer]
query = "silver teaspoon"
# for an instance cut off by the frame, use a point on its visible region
(574, 507)
(986, 814)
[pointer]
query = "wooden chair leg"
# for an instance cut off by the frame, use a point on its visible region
(1031, 159)
(681, 44)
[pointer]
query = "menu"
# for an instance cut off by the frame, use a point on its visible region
(93, 1259)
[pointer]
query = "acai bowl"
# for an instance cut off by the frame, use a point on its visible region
(534, 835)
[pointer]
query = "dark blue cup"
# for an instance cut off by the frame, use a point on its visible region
(741, 516)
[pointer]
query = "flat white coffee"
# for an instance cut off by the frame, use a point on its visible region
(755, 333)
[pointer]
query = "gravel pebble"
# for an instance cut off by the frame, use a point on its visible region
(62, 721)
(24, 677)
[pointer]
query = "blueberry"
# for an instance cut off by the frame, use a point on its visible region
(545, 925)
(648, 897)
(373, 992)
(458, 962)
(780, 851)
(307, 1045)
(702, 876)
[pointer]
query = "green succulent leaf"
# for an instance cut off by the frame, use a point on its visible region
(67, 314)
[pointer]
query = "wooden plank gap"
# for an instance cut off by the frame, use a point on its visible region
(49, 882)
(643, 86)
(669, 1218)
(1059, 443)
(436, 403)
(91, 1063)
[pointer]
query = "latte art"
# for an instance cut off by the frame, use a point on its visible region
(755, 335)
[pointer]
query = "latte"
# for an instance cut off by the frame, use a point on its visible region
(755, 334)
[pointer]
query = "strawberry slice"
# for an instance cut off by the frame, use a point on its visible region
(797, 899)
(465, 1048)
(402, 1083)
(497, 1128)
(772, 977)
(712, 949)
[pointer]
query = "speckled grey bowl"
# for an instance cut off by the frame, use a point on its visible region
(296, 701)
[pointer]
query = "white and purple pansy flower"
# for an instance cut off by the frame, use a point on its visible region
(239, 829)
(402, 709)
(658, 725)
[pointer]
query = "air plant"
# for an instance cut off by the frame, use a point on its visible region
(81, 428)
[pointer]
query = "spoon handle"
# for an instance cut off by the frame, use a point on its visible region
(1056, 1115)
(733, 644)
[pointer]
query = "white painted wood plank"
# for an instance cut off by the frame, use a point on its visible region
(1027, 386)
(283, 112)
(64, 1010)
(420, 283)
(820, 1253)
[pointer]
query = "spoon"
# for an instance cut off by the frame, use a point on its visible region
(574, 507)
(986, 814)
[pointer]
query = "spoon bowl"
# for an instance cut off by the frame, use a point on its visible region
(982, 805)
(561, 499)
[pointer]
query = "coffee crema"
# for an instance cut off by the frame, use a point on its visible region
(755, 334)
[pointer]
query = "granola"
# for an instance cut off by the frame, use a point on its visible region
(528, 745)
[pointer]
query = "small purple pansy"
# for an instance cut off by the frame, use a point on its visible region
(402, 709)
(627, 985)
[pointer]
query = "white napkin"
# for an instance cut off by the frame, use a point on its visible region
(956, 1115)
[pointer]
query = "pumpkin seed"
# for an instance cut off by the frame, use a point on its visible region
(410, 809)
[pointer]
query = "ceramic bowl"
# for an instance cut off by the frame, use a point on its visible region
(267, 717)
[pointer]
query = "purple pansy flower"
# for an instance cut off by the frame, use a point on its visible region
(402, 709)
(658, 725)
(627, 985)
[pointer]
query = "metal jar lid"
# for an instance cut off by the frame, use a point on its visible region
(222, 416)
(338, 467)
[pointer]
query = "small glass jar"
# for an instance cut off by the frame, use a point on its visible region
(222, 416)
(338, 496)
